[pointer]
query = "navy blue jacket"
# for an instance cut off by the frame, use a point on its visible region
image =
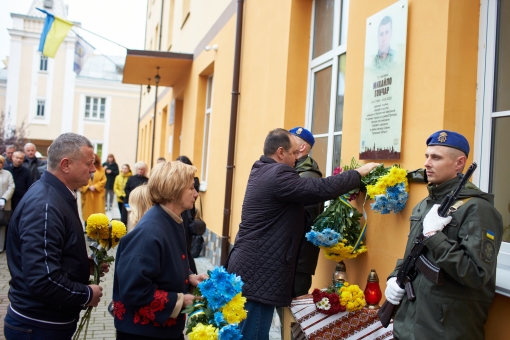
(47, 257)
(272, 226)
(151, 268)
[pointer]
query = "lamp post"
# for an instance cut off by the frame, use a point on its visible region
(156, 80)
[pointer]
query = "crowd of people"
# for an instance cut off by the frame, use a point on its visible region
(155, 273)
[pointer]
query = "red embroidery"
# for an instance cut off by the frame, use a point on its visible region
(118, 310)
(147, 314)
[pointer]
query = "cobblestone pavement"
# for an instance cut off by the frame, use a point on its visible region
(101, 323)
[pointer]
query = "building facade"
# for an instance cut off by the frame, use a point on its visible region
(49, 98)
(302, 63)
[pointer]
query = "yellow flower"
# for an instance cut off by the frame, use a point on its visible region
(118, 231)
(234, 312)
(97, 226)
(341, 252)
(203, 332)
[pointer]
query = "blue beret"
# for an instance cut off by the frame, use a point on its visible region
(304, 134)
(451, 139)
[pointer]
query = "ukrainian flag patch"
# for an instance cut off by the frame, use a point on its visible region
(490, 235)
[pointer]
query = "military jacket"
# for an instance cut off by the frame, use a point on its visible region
(466, 251)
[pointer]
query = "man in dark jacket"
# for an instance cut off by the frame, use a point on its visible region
(9, 151)
(272, 224)
(22, 178)
(306, 167)
(131, 184)
(46, 250)
(464, 245)
(31, 162)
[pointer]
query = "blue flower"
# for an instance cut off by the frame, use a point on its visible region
(229, 332)
(326, 238)
(395, 199)
(219, 319)
(220, 288)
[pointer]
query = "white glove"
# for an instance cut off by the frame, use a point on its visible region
(2, 203)
(433, 222)
(393, 291)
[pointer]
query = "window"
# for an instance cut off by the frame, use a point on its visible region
(40, 108)
(207, 127)
(327, 81)
(98, 149)
(95, 107)
(43, 63)
(493, 117)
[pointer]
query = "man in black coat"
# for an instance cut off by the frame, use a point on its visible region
(22, 178)
(272, 225)
(131, 184)
(32, 163)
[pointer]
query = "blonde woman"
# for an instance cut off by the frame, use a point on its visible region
(152, 276)
(139, 202)
(120, 184)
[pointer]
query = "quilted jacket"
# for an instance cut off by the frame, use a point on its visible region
(272, 223)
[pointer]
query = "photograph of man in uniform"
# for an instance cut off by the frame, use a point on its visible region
(385, 55)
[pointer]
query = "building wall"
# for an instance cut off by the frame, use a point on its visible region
(440, 92)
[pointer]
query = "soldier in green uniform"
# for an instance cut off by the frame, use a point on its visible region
(464, 245)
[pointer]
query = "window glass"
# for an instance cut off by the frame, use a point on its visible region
(323, 27)
(43, 63)
(87, 107)
(95, 108)
(207, 126)
(321, 101)
(337, 155)
(320, 152)
(340, 90)
(500, 181)
(502, 76)
(344, 11)
(103, 103)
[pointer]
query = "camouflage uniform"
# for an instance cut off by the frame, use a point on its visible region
(466, 251)
(381, 64)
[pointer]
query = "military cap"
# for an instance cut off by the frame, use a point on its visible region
(304, 134)
(451, 139)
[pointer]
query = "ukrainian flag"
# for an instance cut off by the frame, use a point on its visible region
(54, 32)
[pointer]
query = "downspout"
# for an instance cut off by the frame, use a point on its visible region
(232, 135)
(141, 90)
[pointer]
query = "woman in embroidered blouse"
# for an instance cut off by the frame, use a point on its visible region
(152, 276)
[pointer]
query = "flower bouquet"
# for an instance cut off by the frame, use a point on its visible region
(106, 235)
(389, 187)
(348, 298)
(337, 229)
(221, 309)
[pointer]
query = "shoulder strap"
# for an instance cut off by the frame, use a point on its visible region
(458, 204)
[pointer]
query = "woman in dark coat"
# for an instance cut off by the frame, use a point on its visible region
(152, 276)
(112, 170)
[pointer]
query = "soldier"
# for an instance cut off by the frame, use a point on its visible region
(464, 245)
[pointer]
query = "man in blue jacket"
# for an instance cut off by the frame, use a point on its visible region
(46, 250)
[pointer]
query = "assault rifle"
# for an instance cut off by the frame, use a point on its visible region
(416, 262)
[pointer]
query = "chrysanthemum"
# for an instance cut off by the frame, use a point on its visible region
(234, 311)
(97, 226)
(203, 332)
(230, 332)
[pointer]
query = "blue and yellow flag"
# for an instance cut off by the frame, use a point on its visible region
(54, 32)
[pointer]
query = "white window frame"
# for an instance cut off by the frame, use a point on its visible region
(330, 58)
(98, 112)
(484, 116)
(206, 149)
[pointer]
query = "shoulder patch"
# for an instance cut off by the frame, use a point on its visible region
(488, 250)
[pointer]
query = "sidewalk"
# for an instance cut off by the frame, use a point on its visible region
(101, 323)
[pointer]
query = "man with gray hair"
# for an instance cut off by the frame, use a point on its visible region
(9, 150)
(134, 181)
(46, 253)
(31, 162)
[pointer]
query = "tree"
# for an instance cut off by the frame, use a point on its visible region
(11, 135)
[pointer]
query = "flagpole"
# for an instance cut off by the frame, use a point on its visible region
(100, 36)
